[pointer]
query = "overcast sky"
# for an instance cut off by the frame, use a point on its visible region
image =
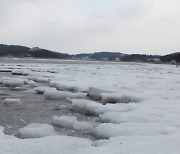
(83, 26)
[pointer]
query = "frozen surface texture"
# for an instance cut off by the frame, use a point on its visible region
(73, 107)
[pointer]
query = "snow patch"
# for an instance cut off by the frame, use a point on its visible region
(108, 130)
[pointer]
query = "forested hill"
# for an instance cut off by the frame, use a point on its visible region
(22, 51)
(117, 56)
(170, 57)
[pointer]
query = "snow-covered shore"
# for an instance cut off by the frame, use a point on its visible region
(127, 108)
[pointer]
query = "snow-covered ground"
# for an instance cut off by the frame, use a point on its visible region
(69, 107)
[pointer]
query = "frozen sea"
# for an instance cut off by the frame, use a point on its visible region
(71, 107)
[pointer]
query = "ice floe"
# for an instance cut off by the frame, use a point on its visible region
(36, 130)
(71, 122)
(119, 98)
(54, 94)
(42, 89)
(12, 82)
(12, 102)
(64, 121)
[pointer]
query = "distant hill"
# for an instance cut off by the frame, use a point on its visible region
(142, 58)
(100, 56)
(170, 57)
(116, 56)
(36, 52)
(13, 50)
(22, 51)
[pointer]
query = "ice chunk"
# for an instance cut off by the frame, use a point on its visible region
(13, 82)
(36, 130)
(52, 95)
(20, 72)
(95, 93)
(64, 121)
(17, 72)
(119, 98)
(71, 122)
(63, 95)
(86, 107)
(26, 72)
(66, 94)
(42, 89)
(31, 83)
(37, 77)
(63, 87)
(12, 101)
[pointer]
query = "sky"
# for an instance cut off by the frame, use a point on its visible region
(85, 26)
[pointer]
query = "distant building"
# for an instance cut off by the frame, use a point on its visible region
(153, 59)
